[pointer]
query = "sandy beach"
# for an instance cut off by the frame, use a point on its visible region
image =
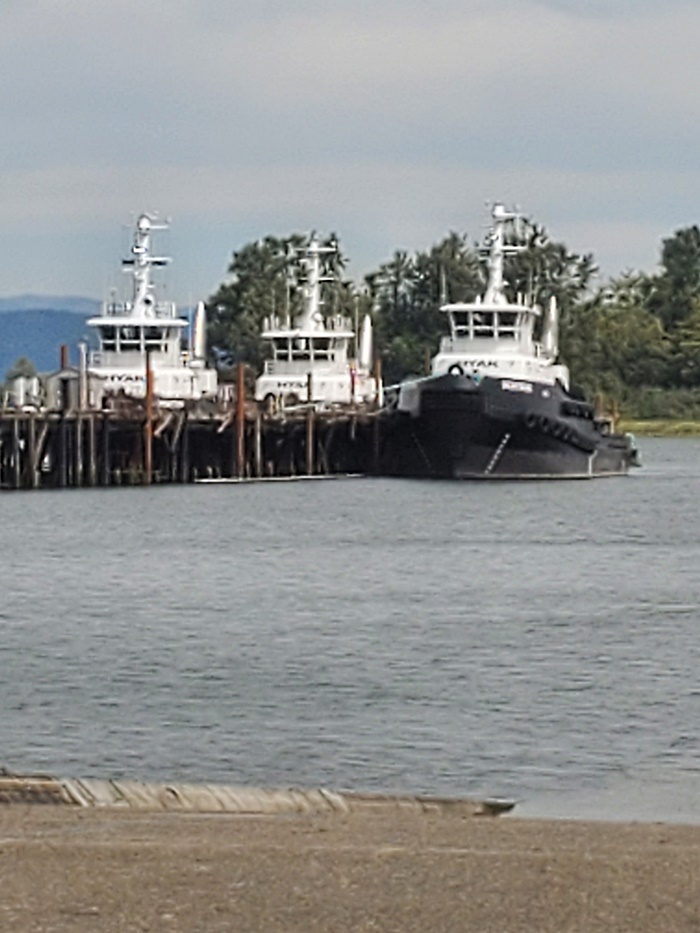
(384, 867)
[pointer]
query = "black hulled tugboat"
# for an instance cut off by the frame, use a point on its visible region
(497, 404)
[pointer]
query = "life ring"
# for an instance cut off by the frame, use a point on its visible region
(455, 370)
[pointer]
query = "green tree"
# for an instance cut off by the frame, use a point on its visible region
(615, 345)
(22, 366)
(409, 291)
(261, 286)
(685, 344)
(672, 294)
(545, 268)
(636, 338)
(265, 281)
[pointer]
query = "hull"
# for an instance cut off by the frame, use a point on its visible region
(501, 429)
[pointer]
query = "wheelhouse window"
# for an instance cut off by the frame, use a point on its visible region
(129, 338)
(108, 338)
(506, 324)
(281, 349)
(300, 349)
(321, 348)
(154, 338)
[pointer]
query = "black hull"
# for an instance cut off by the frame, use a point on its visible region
(464, 430)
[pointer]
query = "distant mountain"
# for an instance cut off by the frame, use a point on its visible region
(38, 333)
(72, 303)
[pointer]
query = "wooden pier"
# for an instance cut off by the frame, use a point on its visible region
(139, 442)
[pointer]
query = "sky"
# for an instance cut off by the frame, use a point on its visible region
(390, 123)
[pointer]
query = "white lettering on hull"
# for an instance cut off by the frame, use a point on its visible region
(510, 385)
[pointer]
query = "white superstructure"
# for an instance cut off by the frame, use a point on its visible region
(313, 355)
(493, 336)
(132, 331)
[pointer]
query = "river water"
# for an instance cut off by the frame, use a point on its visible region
(534, 640)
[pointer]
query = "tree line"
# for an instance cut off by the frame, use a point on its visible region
(634, 340)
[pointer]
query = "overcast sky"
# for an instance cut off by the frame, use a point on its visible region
(389, 122)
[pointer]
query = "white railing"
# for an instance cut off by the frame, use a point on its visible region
(162, 310)
(302, 367)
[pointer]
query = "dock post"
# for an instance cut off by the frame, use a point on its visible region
(106, 453)
(62, 451)
(309, 426)
(62, 472)
(16, 454)
(148, 438)
(376, 426)
(173, 475)
(258, 444)
(31, 452)
(78, 452)
(240, 421)
(92, 459)
(185, 449)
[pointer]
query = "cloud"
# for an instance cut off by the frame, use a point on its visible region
(394, 121)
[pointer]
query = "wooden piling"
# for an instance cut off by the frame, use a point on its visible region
(175, 445)
(377, 423)
(92, 453)
(62, 451)
(148, 437)
(127, 443)
(309, 426)
(240, 421)
(78, 451)
(63, 442)
(185, 449)
(16, 454)
(106, 452)
(258, 444)
(32, 476)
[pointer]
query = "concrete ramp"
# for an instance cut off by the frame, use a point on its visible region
(220, 798)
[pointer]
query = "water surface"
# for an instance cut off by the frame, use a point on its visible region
(536, 640)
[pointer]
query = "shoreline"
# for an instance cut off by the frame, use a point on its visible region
(659, 427)
(85, 855)
(385, 867)
(630, 804)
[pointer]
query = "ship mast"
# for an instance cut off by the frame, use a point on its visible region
(495, 291)
(311, 318)
(140, 266)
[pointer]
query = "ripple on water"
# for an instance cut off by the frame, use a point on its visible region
(532, 640)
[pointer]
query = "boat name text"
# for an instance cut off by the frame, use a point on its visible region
(510, 385)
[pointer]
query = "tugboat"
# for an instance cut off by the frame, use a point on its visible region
(130, 333)
(497, 404)
(311, 360)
